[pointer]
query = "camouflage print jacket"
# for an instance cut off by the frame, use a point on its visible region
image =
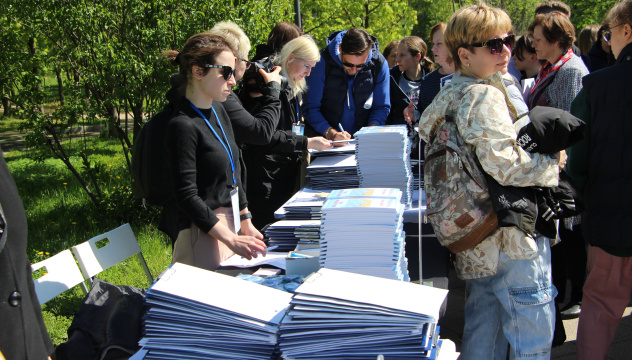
(484, 116)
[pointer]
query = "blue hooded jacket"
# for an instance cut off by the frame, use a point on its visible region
(334, 98)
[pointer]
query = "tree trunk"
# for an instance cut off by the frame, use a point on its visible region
(32, 51)
(60, 86)
(6, 105)
(137, 113)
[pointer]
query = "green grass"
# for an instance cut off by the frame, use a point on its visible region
(61, 215)
(9, 124)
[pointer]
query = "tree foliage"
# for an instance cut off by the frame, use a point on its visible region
(110, 52)
(386, 19)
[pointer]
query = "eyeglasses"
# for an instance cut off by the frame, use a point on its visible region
(227, 73)
(496, 45)
(248, 63)
(607, 35)
(350, 65)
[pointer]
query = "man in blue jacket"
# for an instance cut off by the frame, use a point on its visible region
(349, 88)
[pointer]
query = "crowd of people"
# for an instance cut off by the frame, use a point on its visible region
(240, 129)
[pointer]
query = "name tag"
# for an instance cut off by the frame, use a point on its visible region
(234, 201)
(298, 129)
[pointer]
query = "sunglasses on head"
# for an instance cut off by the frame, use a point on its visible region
(227, 70)
(496, 45)
(350, 65)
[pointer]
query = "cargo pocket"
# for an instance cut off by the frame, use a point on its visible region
(533, 295)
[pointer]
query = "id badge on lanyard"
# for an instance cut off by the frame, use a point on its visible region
(298, 127)
(234, 202)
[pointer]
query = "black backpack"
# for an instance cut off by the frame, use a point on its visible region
(151, 179)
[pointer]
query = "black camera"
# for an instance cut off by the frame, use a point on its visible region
(253, 81)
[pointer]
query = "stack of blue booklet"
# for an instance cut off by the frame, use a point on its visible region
(362, 232)
(333, 172)
(199, 314)
(383, 158)
(340, 315)
(286, 234)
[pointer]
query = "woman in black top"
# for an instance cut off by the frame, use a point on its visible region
(203, 157)
(274, 169)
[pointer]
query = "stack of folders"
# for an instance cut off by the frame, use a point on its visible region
(383, 158)
(348, 148)
(199, 314)
(340, 315)
(333, 172)
(364, 235)
(288, 233)
(304, 210)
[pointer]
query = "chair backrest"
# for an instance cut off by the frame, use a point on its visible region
(62, 274)
(93, 258)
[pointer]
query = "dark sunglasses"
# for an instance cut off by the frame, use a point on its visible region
(607, 35)
(496, 45)
(350, 65)
(248, 63)
(227, 73)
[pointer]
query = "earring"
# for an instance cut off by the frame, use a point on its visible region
(468, 64)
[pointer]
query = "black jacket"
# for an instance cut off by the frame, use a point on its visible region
(608, 193)
(23, 334)
(273, 168)
(549, 131)
(596, 58)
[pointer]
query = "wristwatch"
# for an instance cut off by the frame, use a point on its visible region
(245, 216)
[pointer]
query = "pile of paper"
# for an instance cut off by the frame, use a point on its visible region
(199, 314)
(286, 234)
(304, 205)
(333, 172)
(364, 234)
(340, 315)
(383, 158)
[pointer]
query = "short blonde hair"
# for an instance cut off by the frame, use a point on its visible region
(472, 24)
(234, 35)
(303, 48)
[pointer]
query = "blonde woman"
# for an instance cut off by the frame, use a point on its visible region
(273, 174)
(508, 280)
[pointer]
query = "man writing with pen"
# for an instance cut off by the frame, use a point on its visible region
(348, 88)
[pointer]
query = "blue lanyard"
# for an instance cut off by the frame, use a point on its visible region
(298, 119)
(225, 145)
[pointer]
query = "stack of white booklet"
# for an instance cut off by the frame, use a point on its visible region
(340, 315)
(304, 205)
(362, 232)
(199, 314)
(383, 158)
(286, 234)
(333, 172)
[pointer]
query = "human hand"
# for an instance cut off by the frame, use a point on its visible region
(339, 135)
(562, 158)
(319, 143)
(247, 228)
(409, 113)
(275, 75)
(246, 246)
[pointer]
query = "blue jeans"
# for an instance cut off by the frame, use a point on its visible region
(514, 307)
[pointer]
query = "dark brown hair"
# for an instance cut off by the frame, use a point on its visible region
(621, 13)
(555, 27)
(200, 49)
(355, 42)
(282, 33)
(389, 48)
(546, 7)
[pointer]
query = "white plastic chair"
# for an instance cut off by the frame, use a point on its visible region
(122, 245)
(62, 274)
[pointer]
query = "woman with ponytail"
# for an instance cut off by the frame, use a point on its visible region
(203, 157)
(407, 77)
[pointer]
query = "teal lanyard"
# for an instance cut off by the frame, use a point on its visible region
(226, 145)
